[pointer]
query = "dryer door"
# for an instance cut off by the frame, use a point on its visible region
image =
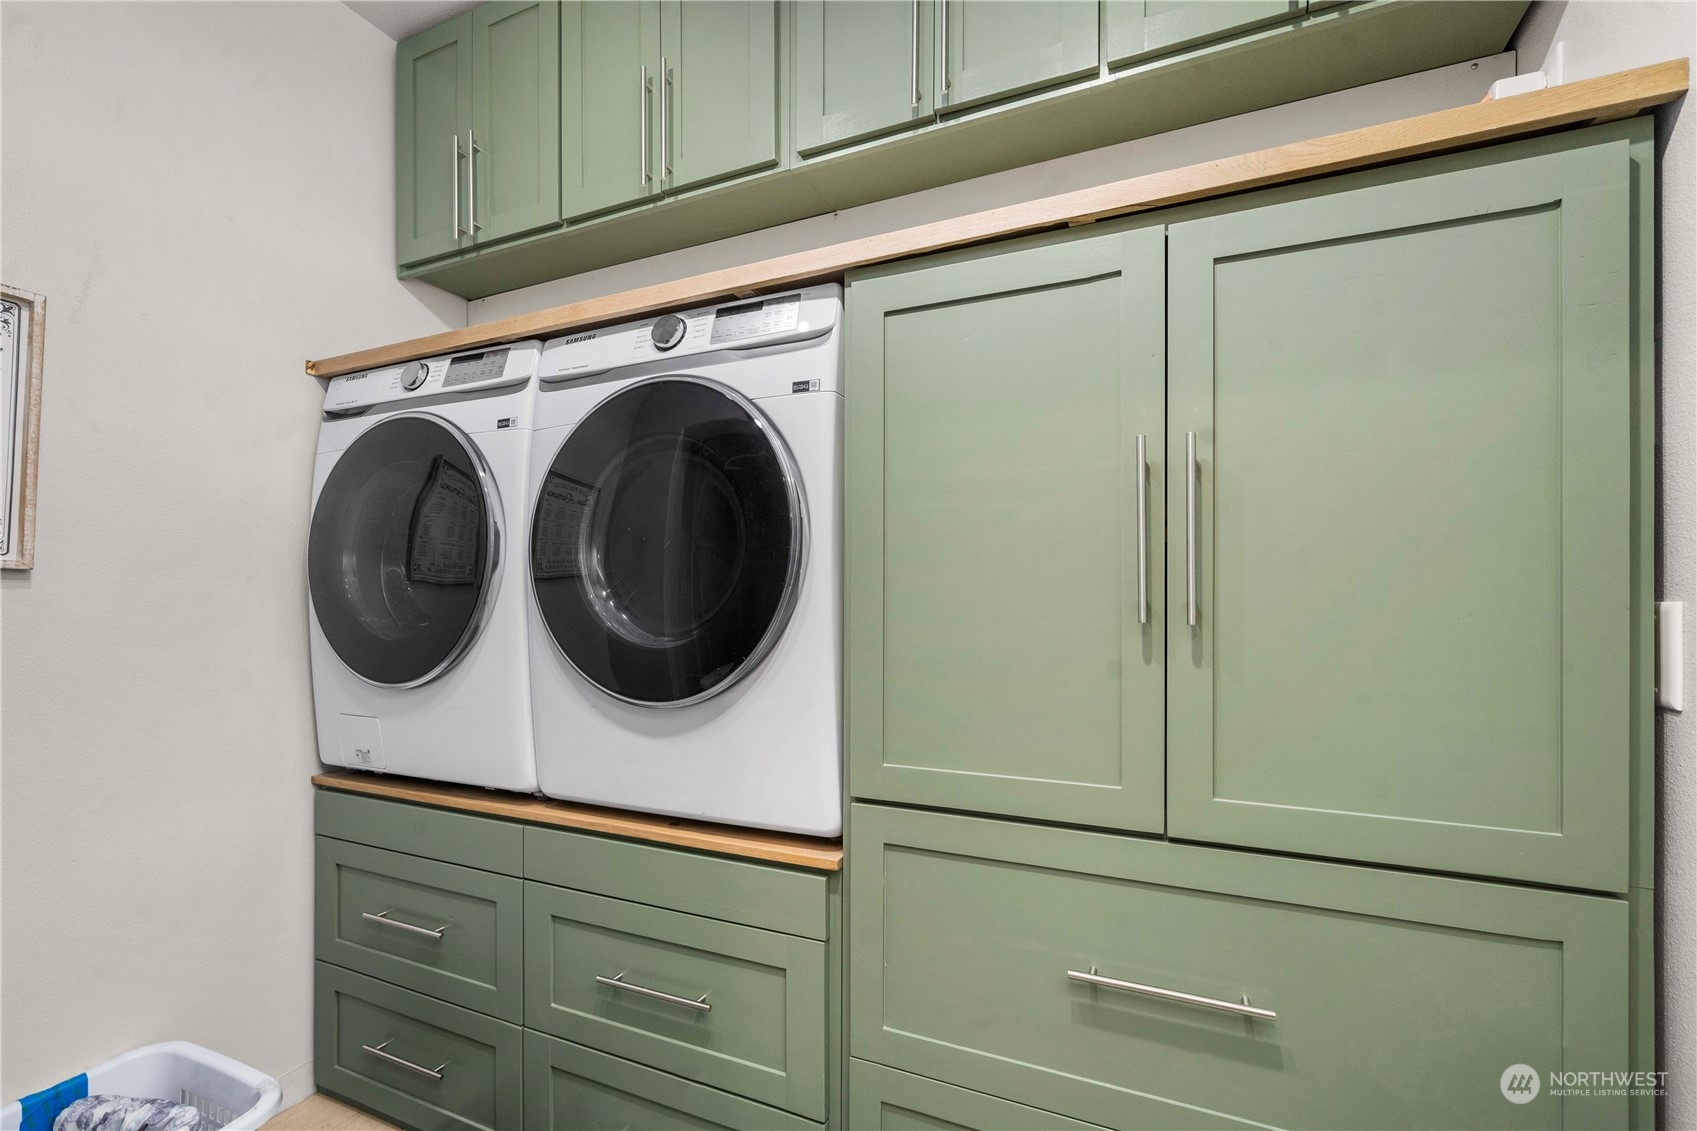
(667, 541)
(402, 559)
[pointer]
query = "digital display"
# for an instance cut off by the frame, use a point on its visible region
(756, 319)
(472, 367)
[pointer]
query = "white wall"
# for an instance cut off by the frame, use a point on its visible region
(1597, 38)
(204, 193)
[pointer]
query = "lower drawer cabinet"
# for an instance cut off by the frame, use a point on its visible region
(1137, 983)
(882, 1099)
(571, 1088)
(416, 1059)
(732, 1006)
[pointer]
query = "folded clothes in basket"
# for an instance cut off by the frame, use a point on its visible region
(130, 1113)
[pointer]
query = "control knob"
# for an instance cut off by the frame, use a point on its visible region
(668, 331)
(414, 375)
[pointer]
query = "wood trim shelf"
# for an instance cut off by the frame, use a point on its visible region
(1619, 95)
(752, 844)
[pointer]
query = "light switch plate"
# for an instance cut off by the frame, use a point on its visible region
(1670, 655)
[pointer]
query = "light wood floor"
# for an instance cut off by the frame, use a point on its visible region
(321, 1113)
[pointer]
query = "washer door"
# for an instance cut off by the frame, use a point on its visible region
(402, 558)
(667, 542)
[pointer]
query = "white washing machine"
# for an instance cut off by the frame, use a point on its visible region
(416, 569)
(684, 561)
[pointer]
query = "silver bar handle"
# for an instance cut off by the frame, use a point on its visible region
(1190, 521)
(913, 59)
(471, 181)
(1242, 1009)
(618, 983)
(943, 47)
(383, 918)
(642, 123)
(665, 147)
(1142, 530)
(459, 228)
(433, 1073)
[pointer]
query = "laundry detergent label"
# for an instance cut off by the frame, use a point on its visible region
(447, 527)
(562, 526)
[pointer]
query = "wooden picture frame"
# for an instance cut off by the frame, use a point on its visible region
(23, 336)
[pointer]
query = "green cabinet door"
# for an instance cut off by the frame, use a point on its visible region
(515, 133)
(862, 68)
(433, 87)
(717, 84)
(882, 1099)
(996, 48)
(609, 51)
(1139, 29)
(1001, 654)
(1411, 398)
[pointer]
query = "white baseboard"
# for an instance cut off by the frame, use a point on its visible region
(297, 1084)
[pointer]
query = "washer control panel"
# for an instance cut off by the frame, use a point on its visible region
(469, 372)
(739, 325)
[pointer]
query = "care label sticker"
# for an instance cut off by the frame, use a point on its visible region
(562, 526)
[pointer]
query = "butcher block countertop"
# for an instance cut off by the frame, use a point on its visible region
(752, 844)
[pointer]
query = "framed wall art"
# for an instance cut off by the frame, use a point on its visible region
(23, 331)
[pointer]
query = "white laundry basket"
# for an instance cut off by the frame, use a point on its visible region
(228, 1092)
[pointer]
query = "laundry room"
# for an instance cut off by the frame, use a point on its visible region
(852, 564)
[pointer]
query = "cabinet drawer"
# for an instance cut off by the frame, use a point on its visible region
(568, 1087)
(476, 842)
(731, 1006)
(1399, 999)
(451, 932)
(882, 1099)
(419, 1061)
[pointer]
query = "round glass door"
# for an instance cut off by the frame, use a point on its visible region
(667, 541)
(402, 554)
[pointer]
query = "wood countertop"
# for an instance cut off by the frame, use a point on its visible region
(1620, 95)
(752, 844)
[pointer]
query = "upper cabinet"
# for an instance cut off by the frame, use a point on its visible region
(662, 95)
(994, 50)
(432, 115)
(650, 125)
(477, 129)
(861, 69)
(1139, 29)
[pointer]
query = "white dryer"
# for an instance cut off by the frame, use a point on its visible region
(684, 564)
(416, 569)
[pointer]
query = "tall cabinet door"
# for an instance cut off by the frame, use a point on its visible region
(718, 74)
(515, 137)
(1138, 29)
(609, 52)
(432, 110)
(1002, 535)
(1410, 509)
(997, 49)
(862, 68)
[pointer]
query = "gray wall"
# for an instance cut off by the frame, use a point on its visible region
(204, 193)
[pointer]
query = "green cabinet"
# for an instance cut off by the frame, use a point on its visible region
(999, 49)
(477, 129)
(514, 143)
(571, 1088)
(862, 68)
(413, 1058)
(1003, 573)
(1138, 29)
(1132, 982)
(432, 111)
(883, 1099)
(662, 96)
(1401, 631)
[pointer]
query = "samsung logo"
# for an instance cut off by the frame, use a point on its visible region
(576, 338)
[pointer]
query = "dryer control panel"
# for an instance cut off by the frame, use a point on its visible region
(739, 325)
(491, 367)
